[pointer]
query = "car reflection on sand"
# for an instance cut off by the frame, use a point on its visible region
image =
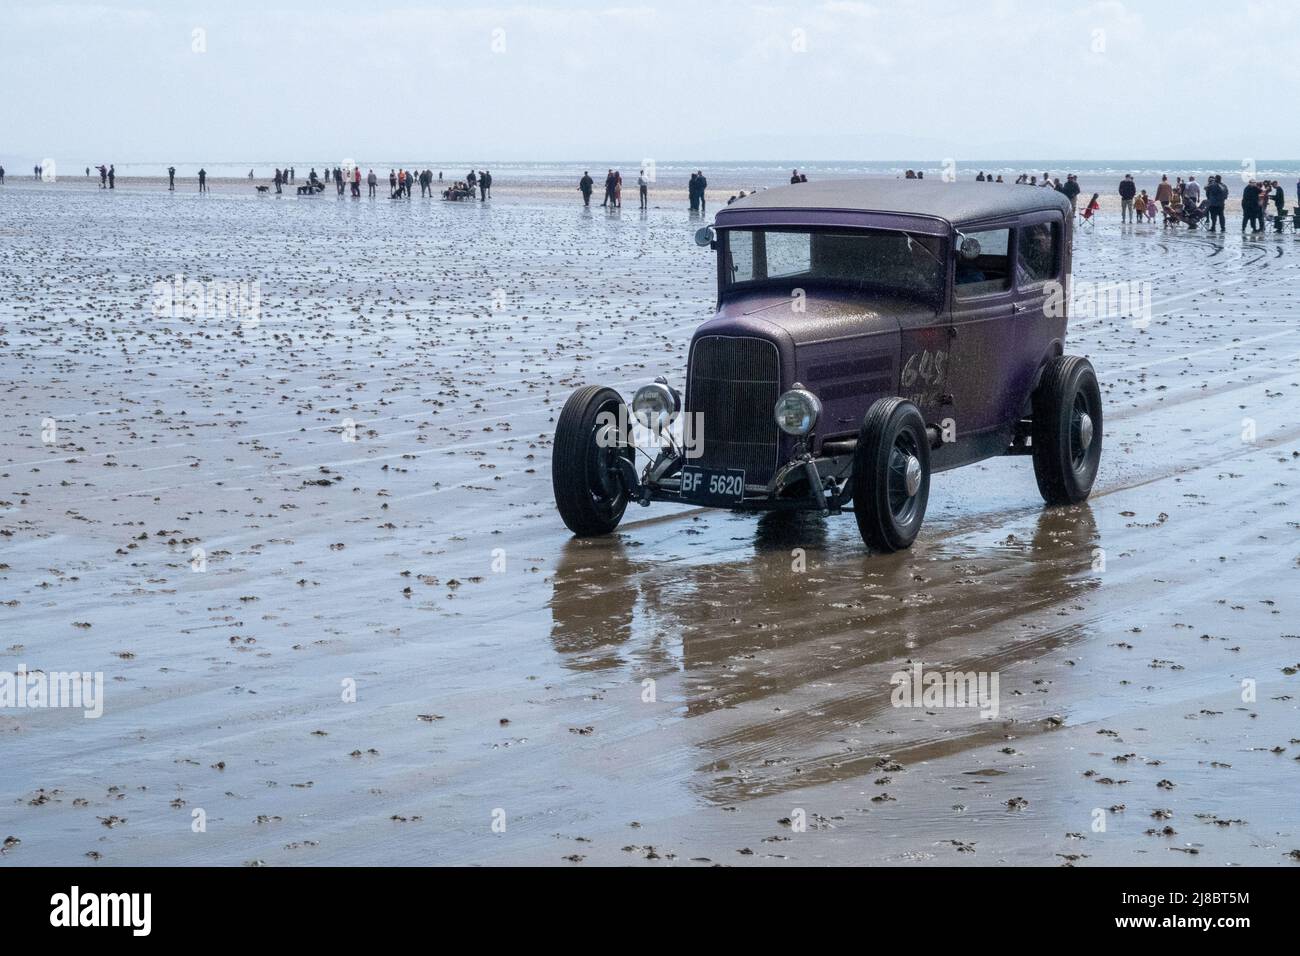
(782, 665)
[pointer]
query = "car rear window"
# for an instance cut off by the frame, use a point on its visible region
(1038, 253)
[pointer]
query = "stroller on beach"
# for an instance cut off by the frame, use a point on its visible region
(458, 191)
(1186, 213)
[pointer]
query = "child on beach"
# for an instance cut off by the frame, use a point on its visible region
(1140, 205)
(1092, 207)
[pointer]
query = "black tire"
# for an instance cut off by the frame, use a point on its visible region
(590, 492)
(1067, 430)
(892, 433)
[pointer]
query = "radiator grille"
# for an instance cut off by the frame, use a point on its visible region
(734, 384)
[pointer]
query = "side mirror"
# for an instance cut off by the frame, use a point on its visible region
(704, 236)
(969, 248)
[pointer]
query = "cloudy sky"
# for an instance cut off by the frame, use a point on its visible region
(144, 81)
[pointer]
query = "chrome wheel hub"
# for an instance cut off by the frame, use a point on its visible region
(912, 474)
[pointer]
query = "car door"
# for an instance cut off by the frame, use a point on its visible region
(982, 330)
(1039, 311)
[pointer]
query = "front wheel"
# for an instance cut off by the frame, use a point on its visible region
(1067, 430)
(590, 491)
(891, 475)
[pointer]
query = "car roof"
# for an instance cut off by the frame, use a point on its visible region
(952, 202)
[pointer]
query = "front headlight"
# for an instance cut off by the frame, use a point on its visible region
(797, 411)
(654, 403)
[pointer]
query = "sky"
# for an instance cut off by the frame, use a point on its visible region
(234, 80)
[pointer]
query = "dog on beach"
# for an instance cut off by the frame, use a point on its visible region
(263, 189)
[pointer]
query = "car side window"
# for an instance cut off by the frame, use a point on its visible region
(1038, 253)
(990, 271)
(740, 250)
(788, 254)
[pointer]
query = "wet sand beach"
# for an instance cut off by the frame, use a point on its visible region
(316, 558)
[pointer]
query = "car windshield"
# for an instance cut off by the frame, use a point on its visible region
(877, 260)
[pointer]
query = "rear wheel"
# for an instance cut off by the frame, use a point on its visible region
(1067, 430)
(590, 491)
(891, 475)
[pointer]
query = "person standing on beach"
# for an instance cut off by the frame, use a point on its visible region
(1192, 191)
(103, 176)
(691, 192)
(203, 180)
(702, 184)
(1070, 190)
(372, 181)
(1164, 192)
(609, 188)
(1250, 211)
(112, 175)
(279, 181)
(1216, 196)
(487, 175)
(585, 185)
(1127, 190)
(171, 179)
(643, 187)
(293, 175)
(2, 174)
(482, 185)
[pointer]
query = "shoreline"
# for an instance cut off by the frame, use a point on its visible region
(662, 193)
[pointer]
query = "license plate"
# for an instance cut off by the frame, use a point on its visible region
(705, 486)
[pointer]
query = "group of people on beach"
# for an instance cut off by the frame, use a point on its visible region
(464, 188)
(614, 189)
(1184, 202)
(400, 182)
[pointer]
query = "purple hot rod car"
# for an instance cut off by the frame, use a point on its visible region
(867, 334)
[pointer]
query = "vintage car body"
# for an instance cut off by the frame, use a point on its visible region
(941, 304)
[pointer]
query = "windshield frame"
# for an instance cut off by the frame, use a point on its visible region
(935, 247)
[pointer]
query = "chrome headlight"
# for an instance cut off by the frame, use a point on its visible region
(797, 411)
(654, 403)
